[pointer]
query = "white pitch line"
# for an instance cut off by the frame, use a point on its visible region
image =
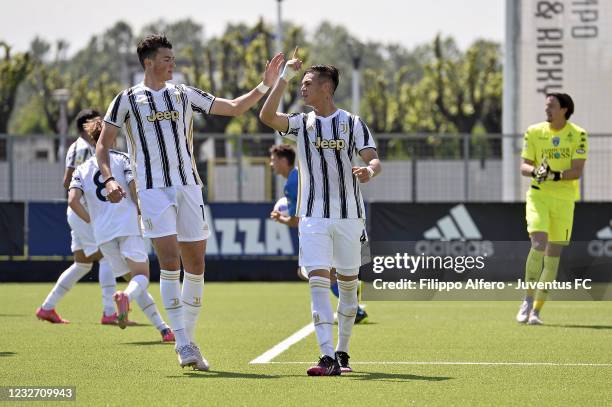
(279, 348)
(460, 363)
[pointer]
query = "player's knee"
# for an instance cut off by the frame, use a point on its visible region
(347, 274)
(194, 265)
(539, 242)
(317, 271)
(169, 260)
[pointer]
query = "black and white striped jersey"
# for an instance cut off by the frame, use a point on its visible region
(325, 150)
(78, 153)
(159, 127)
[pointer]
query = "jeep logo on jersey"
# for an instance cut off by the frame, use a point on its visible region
(455, 234)
(167, 115)
(330, 144)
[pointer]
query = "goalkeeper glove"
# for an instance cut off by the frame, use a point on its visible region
(545, 173)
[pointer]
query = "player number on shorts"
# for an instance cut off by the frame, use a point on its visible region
(97, 178)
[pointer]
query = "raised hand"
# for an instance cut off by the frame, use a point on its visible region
(273, 69)
(292, 66)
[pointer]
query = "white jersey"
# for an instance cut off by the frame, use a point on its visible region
(79, 152)
(325, 148)
(109, 220)
(159, 127)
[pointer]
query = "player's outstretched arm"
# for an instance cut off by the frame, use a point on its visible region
(239, 105)
(269, 114)
(106, 141)
(74, 201)
(369, 156)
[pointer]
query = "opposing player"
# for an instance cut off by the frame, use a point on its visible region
(158, 118)
(282, 161)
(330, 205)
(116, 231)
(554, 154)
(83, 246)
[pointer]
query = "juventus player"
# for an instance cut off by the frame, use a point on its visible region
(158, 118)
(83, 245)
(330, 205)
(117, 232)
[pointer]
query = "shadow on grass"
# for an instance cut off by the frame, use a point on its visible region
(578, 326)
(6, 354)
(216, 374)
(138, 325)
(14, 315)
(394, 377)
(148, 343)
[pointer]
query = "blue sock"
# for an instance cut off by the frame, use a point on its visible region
(334, 289)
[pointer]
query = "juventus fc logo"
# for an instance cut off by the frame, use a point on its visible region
(197, 300)
(175, 302)
(344, 127)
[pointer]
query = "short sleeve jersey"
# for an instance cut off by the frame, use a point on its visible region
(559, 147)
(78, 153)
(159, 127)
(325, 150)
(109, 220)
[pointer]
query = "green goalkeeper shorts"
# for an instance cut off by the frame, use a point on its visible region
(551, 215)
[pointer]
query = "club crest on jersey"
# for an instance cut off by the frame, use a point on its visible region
(556, 140)
(321, 143)
(344, 127)
(167, 115)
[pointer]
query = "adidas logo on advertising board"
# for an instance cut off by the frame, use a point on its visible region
(602, 246)
(455, 234)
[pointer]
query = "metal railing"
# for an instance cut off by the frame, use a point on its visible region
(416, 168)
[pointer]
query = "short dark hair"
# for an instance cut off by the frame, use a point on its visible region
(565, 101)
(83, 116)
(284, 151)
(327, 72)
(148, 46)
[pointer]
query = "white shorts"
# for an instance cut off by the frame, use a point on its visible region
(327, 243)
(119, 249)
(174, 211)
(82, 235)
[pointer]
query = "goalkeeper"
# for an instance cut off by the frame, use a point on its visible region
(554, 154)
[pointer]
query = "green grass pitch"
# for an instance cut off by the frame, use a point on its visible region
(240, 321)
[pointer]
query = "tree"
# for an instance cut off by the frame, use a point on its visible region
(232, 65)
(466, 86)
(14, 69)
(85, 91)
